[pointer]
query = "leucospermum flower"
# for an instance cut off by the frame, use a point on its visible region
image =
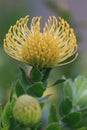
(48, 47)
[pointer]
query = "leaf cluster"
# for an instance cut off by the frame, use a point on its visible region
(69, 114)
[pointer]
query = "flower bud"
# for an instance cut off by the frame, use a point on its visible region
(27, 110)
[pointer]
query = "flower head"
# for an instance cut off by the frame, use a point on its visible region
(27, 110)
(46, 48)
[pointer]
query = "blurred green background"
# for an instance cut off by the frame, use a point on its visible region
(12, 10)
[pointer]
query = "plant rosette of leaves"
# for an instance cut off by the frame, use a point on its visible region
(73, 107)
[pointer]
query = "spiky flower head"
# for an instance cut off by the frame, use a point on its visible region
(48, 47)
(27, 110)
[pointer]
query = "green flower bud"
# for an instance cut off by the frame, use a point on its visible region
(27, 110)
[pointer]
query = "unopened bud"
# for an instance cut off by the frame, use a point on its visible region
(27, 110)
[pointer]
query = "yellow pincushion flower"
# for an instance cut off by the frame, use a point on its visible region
(43, 48)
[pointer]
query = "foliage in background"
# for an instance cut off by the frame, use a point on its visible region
(69, 114)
